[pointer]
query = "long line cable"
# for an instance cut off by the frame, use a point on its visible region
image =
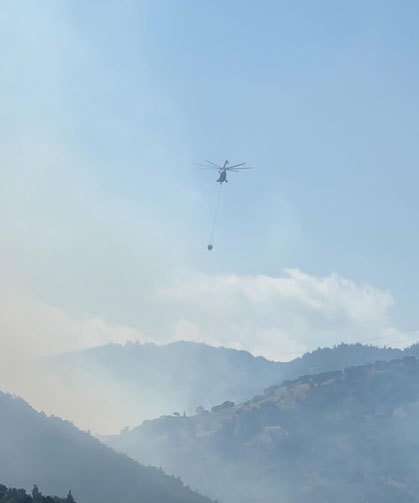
(211, 239)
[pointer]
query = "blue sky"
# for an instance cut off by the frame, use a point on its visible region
(107, 105)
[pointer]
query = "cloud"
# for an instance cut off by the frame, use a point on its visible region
(277, 317)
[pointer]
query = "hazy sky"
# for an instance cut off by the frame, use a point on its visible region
(105, 107)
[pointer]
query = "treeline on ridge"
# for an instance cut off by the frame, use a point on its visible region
(13, 495)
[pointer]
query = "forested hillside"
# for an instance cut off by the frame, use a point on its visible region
(337, 436)
(35, 449)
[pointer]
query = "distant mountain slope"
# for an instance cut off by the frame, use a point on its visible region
(338, 436)
(146, 381)
(57, 456)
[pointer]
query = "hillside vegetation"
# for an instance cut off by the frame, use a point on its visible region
(337, 436)
(13, 495)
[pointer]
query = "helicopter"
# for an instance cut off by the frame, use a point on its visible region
(222, 170)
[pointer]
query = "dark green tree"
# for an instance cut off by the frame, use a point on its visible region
(70, 498)
(36, 495)
(3, 492)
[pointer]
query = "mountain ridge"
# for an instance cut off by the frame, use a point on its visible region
(147, 380)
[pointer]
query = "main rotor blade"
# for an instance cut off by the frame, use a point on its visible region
(204, 166)
(236, 165)
(213, 163)
(237, 169)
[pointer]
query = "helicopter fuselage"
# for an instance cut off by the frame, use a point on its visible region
(223, 176)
